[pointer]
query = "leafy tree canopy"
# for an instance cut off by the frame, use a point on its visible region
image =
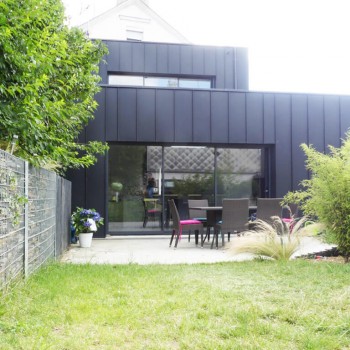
(48, 79)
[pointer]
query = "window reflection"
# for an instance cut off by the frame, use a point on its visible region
(194, 83)
(161, 82)
(184, 173)
(172, 82)
(128, 80)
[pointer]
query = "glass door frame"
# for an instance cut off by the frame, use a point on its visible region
(267, 154)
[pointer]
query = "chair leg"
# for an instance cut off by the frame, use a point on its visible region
(196, 236)
(172, 237)
(145, 221)
(215, 239)
(223, 238)
(177, 239)
(207, 234)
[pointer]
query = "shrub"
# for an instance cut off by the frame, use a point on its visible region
(326, 194)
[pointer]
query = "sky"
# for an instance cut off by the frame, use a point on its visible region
(294, 45)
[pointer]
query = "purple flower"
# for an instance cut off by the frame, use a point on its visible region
(96, 217)
(85, 220)
(87, 224)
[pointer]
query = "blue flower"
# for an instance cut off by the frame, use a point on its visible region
(87, 224)
(96, 217)
(82, 220)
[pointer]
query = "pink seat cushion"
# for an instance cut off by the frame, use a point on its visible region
(190, 222)
(286, 220)
(153, 211)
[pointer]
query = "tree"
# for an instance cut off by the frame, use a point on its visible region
(48, 79)
(326, 194)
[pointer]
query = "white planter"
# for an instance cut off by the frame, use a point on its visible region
(85, 239)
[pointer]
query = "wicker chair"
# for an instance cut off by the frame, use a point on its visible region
(267, 207)
(235, 214)
(180, 225)
(152, 210)
(196, 214)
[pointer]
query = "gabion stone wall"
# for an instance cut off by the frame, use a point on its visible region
(30, 212)
(41, 217)
(12, 226)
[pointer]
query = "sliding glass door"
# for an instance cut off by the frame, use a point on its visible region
(239, 174)
(143, 178)
(131, 209)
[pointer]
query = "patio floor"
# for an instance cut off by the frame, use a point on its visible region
(155, 250)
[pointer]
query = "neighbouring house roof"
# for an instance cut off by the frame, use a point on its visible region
(137, 13)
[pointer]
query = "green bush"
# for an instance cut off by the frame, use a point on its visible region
(326, 194)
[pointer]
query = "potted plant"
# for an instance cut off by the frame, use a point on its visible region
(86, 222)
(117, 187)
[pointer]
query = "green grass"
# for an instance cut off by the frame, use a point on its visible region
(248, 305)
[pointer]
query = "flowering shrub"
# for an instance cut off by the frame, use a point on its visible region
(86, 220)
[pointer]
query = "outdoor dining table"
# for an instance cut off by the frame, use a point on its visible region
(214, 213)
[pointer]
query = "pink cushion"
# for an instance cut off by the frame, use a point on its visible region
(286, 220)
(153, 211)
(190, 222)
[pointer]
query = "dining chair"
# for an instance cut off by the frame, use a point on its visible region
(291, 213)
(235, 214)
(180, 225)
(268, 207)
(197, 214)
(152, 210)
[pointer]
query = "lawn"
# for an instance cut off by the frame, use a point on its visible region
(247, 305)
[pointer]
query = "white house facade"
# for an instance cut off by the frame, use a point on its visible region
(132, 20)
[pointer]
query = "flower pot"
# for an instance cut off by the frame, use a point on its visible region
(85, 239)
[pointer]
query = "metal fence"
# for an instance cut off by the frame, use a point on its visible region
(35, 206)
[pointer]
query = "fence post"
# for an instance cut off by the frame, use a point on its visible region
(57, 217)
(26, 223)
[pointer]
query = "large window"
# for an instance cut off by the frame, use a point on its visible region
(143, 178)
(159, 81)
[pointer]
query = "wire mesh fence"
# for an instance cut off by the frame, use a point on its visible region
(33, 203)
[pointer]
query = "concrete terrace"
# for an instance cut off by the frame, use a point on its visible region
(155, 250)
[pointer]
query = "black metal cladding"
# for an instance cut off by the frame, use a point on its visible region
(226, 118)
(223, 118)
(227, 66)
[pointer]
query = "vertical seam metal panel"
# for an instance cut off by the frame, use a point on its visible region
(192, 115)
(263, 118)
(245, 117)
(210, 117)
(136, 116)
(228, 117)
(235, 68)
(174, 106)
(155, 115)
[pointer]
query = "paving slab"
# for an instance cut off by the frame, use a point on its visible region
(155, 250)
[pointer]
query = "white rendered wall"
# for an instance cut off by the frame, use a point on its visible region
(115, 25)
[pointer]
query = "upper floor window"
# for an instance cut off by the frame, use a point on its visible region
(134, 35)
(195, 83)
(157, 81)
